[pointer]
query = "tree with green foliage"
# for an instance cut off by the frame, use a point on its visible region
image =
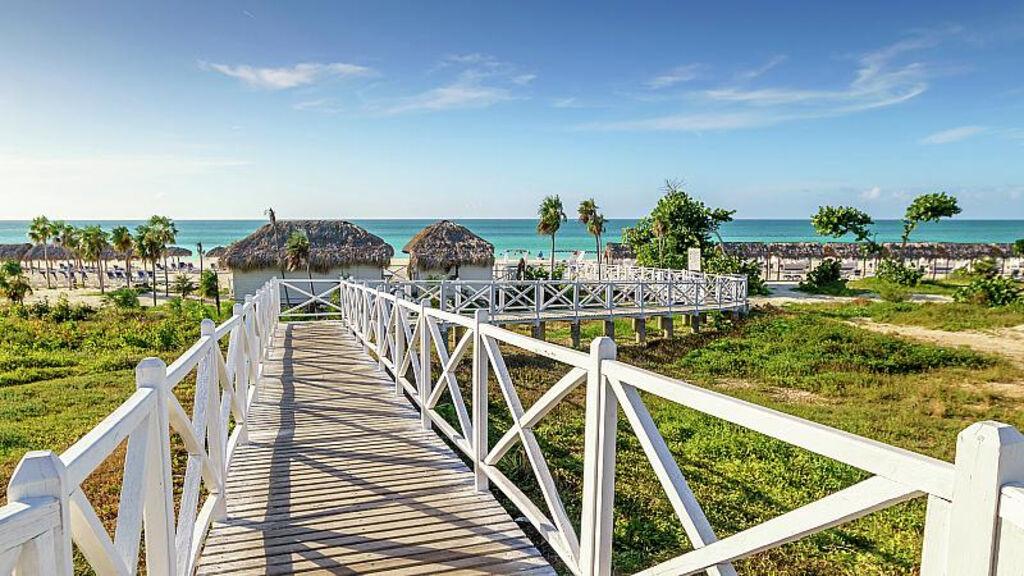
(149, 246)
(67, 236)
(41, 231)
(928, 208)
(551, 215)
(678, 222)
(166, 232)
(121, 240)
(838, 221)
(94, 242)
(209, 287)
(1018, 248)
(183, 285)
(296, 254)
(594, 221)
(13, 284)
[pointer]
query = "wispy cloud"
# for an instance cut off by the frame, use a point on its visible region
(287, 77)
(677, 75)
(873, 193)
(481, 81)
(752, 73)
(569, 102)
(953, 135)
(880, 78)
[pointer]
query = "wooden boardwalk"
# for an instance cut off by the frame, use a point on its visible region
(339, 478)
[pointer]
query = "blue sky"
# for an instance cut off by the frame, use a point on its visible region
(463, 109)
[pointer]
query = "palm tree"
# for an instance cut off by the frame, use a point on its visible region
(551, 215)
(296, 251)
(149, 247)
(165, 233)
(67, 236)
(587, 213)
(94, 242)
(13, 284)
(659, 225)
(121, 239)
(40, 232)
(596, 229)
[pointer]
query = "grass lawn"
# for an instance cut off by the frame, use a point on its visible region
(916, 396)
(944, 287)
(952, 316)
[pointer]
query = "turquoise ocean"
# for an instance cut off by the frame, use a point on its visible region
(520, 234)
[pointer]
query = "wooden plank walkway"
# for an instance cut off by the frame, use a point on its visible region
(339, 478)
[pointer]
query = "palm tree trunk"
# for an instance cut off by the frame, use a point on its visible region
(551, 272)
(46, 256)
(597, 240)
(128, 267)
(167, 283)
(153, 287)
(100, 266)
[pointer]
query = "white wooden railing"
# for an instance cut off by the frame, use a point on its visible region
(47, 511)
(975, 517)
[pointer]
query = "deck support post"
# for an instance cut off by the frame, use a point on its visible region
(600, 423)
(540, 330)
(41, 474)
(158, 508)
(989, 455)
(609, 329)
(480, 381)
(398, 350)
(667, 325)
(695, 322)
(574, 333)
(425, 377)
(640, 330)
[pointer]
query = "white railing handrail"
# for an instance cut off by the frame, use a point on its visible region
(47, 509)
(406, 335)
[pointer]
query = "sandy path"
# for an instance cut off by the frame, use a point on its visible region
(1006, 342)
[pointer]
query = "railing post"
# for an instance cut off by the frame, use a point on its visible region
(381, 327)
(480, 380)
(214, 430)
(398, 352)
(425, 383)
(600, 426)
(988, 456)
(158, 507)
(241, 385)
(41, 475)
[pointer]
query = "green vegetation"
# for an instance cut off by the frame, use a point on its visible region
(826, 278)
(988, 288)
(928, 208)
(550, 216)
(594, 221)
(935, 287)
(14, 286)
(940, 316)
(809, 364)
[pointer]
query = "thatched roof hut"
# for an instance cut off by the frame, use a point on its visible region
(746, 250)
(13, 251)
(618, 251)
(53, 251)
(216, 252)
(445, 244)
(332, 243)
(178, 252)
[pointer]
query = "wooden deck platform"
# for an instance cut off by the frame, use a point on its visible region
(339, 478)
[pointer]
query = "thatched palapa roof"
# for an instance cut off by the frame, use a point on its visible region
(618, 251)
(445, 244)
(13, 251)
(216, 252)
(53, 251)
(178, 252)
(332, 244)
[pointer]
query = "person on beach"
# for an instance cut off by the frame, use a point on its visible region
(521, 269)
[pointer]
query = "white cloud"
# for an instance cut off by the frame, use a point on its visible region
(569, 102)
(677, 75)
(953, 135)
(873, 193)
(288, 77)
(772, 62)
(880, 78)
(481, 81)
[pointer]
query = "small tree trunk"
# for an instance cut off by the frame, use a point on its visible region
(46, 256)
(99, 272)
(167, 283)
(153, 287)
(551, 272)
(128, 267)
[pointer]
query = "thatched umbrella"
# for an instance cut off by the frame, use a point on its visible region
(445, 245)
(178, 252)
(215, 252)
(13, 251)
(333, 244)
(617, 251)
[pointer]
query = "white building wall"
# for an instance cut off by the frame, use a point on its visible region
(247, 282)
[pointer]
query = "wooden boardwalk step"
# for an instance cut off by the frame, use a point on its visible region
(339, 478)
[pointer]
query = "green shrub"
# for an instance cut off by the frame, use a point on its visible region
(123, 299)
(893, 292)
(991, 291)
(64, 311)
(825, 278)
(899, 273)
(722, 263)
